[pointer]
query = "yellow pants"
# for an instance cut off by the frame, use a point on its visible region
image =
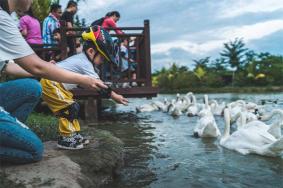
(58, 98)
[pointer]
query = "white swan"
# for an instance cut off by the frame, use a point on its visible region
(178, 97)
(275, 128)
(189, 96)
(147, 108)
(161, 105)
(249, 117)
(235, 108)
(253, 137)
(166, 104)
(184, 103)
(206, 125)
(217, 109)
(193, 109)
(251, 106)
(174, 110)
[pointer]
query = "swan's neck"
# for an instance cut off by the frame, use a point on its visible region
(229, 107)
(214, 102)
(206, 101)
(238, 115)
(273, 113)
(226, 133)
(187, 100)
(189, 95)
(243, 119)
(275, 129)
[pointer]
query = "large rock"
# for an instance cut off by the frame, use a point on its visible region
(91, 167)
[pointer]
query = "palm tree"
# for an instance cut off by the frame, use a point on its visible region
(203, 62)
(219, 64)
(234, 52)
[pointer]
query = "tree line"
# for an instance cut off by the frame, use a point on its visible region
(236, 66)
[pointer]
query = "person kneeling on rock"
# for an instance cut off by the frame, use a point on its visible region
(18, 143)
(97, 49)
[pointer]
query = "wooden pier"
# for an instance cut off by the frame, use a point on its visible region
(144, 88)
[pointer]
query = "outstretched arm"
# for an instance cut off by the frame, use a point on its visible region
(15, 70)
(119, 98)
(113, 25)
(36, 66)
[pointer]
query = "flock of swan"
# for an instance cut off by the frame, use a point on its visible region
(252, 134)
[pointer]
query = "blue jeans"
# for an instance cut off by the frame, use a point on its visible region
(18, 144)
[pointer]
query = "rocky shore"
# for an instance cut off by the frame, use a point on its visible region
(94, 166)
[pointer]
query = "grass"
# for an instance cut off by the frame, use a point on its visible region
(45, 126)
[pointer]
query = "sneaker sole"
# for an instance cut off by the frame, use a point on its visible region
(69, 148)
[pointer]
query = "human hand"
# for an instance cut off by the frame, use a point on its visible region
(93, 83)
(119, 98)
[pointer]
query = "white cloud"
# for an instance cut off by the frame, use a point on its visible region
(255, 31)
(86, 6)
(191, 47)
(237, 8)
(248, 32)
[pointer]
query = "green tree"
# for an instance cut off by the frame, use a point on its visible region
(233, 53)
(250, 56)
(272, 67)
(203, 63)
(200, 73)
(218, 65)
(41, 8)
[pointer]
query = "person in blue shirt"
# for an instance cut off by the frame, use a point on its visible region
(50, 23)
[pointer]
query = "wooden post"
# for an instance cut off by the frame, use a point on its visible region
(147, 53)
(92, 109)
(137, 44)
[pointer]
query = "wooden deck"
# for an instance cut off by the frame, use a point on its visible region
(135, 92)
(143, 70)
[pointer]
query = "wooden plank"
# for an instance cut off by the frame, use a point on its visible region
(135, 92)
(78, 35)
(118, 28)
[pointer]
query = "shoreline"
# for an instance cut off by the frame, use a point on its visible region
(94, 166)
(268, 89)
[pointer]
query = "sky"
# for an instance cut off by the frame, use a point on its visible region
(184, 30)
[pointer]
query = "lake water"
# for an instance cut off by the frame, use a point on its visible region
(161, 152)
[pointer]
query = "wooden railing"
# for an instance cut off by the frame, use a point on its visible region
(143, 58)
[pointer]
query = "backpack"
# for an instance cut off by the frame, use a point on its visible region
(98, 22)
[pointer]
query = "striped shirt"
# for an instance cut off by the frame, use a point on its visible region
(50, 23)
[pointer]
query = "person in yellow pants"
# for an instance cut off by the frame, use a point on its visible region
(97, 49)
(59, 101)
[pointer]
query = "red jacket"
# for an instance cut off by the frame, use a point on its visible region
(109, 23)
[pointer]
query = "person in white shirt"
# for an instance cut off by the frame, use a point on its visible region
(18, 144)
(97, 49)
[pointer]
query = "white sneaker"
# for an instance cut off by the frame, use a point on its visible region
(69, 143)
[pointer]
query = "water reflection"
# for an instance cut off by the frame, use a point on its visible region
(161, 152)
